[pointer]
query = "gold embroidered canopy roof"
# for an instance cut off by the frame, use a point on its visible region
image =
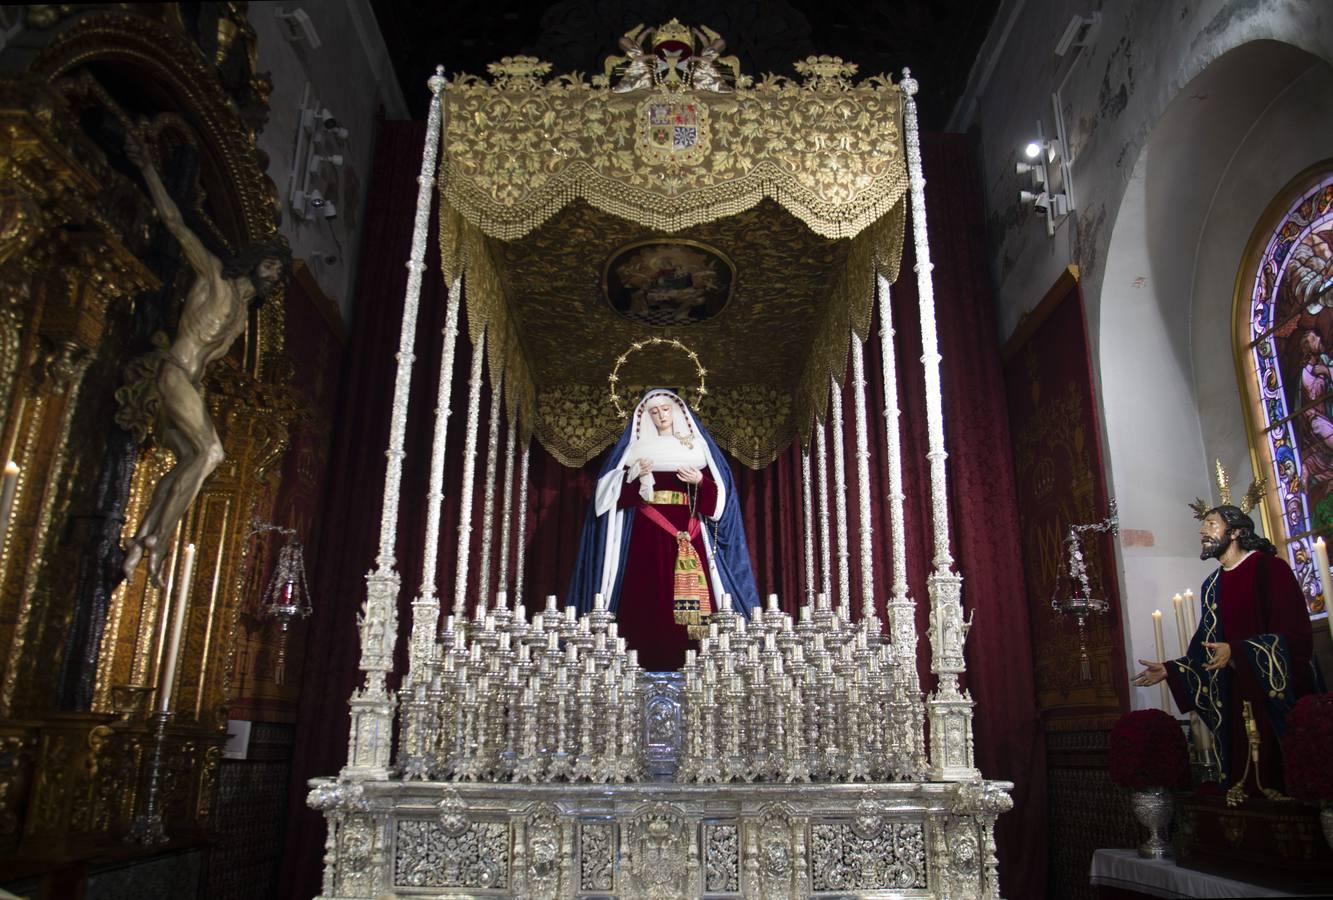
(670, 196)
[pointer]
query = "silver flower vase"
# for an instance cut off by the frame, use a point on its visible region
(1153, 808)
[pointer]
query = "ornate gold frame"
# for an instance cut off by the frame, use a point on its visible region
(71, 229)
(684, 242)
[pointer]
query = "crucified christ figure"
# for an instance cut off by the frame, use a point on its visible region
(162, 390)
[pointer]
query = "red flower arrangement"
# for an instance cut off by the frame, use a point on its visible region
(1148, 750)
(1307, 748)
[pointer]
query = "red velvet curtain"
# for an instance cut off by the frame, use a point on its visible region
(984, 521)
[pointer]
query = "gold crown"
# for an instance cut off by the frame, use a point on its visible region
(673, 31)
(1253, 495)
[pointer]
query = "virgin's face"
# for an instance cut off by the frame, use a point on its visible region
(662, 414)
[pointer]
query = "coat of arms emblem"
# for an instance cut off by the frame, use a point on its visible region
(673, 129)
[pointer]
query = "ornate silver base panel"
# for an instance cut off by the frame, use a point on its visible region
(395, 839)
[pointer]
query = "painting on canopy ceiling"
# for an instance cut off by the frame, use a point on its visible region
(666, 283)
(1289, 344)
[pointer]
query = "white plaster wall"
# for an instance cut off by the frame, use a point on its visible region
(1152, 435)
(1229, 142)
(351, 75)
(1112, 97)
(1184, 119)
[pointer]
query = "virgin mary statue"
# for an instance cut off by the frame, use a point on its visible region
(663, 540)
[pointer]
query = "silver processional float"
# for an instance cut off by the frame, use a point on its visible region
(790, 757)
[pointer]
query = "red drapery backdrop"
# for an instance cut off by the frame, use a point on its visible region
(984, 519)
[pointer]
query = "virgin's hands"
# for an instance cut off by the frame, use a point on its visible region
(1154, 673)
(1221, 655)
(690, 475)
(645, 466)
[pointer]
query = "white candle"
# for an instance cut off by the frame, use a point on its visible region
(726, 602)
(772, 602)
(1161, 653)
(633, 656)
(571, 612)
(1179, 602)
(1321, 559)
(550, 602)
(167, 682)
(7, 490)
(1189, 612)
(598, 601)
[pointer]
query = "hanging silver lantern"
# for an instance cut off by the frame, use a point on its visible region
(287, 598)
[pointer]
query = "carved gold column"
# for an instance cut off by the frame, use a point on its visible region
(71, 280)
(253, 419)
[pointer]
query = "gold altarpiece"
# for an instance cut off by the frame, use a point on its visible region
(74, 231)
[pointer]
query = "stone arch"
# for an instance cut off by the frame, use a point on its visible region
(1161, 318)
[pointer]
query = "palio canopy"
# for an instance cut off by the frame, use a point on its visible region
(670, 196)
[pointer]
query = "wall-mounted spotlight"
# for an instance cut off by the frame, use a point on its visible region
(315, 137)
(1054, 205)
(1043, 153)
(316, 204)
(1037, 170)
(298, 27)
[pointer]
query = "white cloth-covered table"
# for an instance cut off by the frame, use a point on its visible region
(1163, 878)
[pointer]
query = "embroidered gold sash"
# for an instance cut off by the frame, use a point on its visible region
(692, 604)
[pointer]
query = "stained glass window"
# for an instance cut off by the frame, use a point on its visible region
(1287, 347)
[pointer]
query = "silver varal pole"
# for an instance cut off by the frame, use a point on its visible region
(488, 503)
(507, 506)
(469, 478)
(808, 515)
(863, 484)
(368, 751)
(825, 538)
(901, 607)
(950, 709)
(426, 607)
(844, 589)
(522, 522)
